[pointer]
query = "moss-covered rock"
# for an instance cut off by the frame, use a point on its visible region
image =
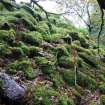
(4, 50)
(17, 52)
(86, 81)
(102, 99)
(34, 51)
(47, 66)
(102, 87)
(24, 65)
(69, 77)
(33, 38)
(81, 49)
(7, 36)
(89, 59)
(43, 27)
(66, 61)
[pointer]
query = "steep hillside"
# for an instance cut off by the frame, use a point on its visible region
(40, 56)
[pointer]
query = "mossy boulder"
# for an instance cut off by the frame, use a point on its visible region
(17, 52)
(66, 61)
(34, 51)
(43, 27)
(55, 38)
(62, 50)
(47, 66)
(24, 65)
(69, 77)
(33, 38)
(102, 87)
(4, 50)
(86, 81)
(89, 59)
(102, 99)
(7, 36)
(81, 49)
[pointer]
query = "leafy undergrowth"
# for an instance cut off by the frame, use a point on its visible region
(45, 58)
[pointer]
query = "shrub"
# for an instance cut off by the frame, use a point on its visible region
(102, 99)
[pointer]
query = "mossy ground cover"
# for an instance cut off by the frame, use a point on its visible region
(23, 51)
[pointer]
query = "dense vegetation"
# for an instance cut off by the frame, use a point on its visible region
(43, 58)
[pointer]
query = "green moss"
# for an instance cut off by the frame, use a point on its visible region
(89, 59)
(57, 80)
(29, 10)
(102, 99)
(102, 77)
(33, 38)
(66, 61)
(102, 88)
(24, 65)
(81, 49)
(65, 100)
(43, 27)
(84, 42)
(69, 77)
(62, 50)
(17, 52)
(7, 36)
(33, 51)
(46, 65)
(86, 81)
(43, 95)
(8, 5)
(4, 50)
(28, 24)
(55, 38)
(1, 7)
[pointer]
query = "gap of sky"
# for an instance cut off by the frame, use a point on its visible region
(53, 7)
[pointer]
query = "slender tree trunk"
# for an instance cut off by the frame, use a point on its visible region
(99, 34)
